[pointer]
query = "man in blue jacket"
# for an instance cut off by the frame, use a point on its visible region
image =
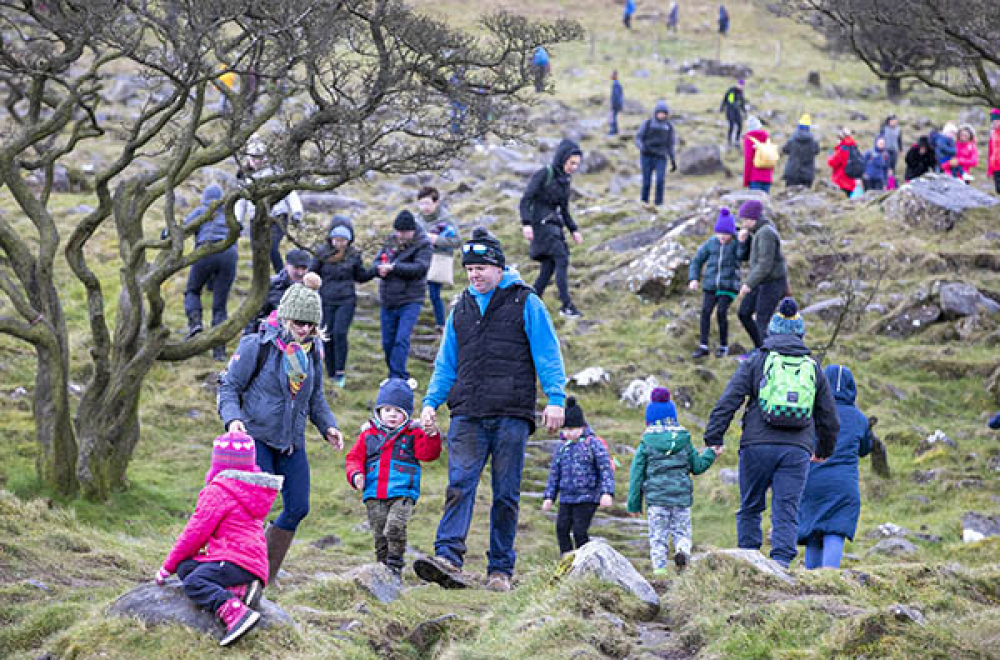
(617, 101)
(498, 340)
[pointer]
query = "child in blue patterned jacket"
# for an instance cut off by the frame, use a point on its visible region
(581, 477)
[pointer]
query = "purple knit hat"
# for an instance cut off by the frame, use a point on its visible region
(232, 451)
(751, 209)
(726, 223)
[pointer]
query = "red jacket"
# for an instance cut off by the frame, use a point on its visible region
(994, 161)
(837, 163)
(390, 462)
(228, 522)
(751, 173)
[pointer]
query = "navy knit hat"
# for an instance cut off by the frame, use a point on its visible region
(786, 320)
(483, 248)
(751, 209)
(396, 392)
(660, 408)
(404, 221)
(574, 415)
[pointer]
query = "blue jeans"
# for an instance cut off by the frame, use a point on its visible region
(760, 185)
(471, 442)
(650, 165)
(220, 269)
(434, 293)
(614, 123)
(824, 551)
(337, 321)
(205, 582)
(294, 468)
(783, 469)
(397, 326)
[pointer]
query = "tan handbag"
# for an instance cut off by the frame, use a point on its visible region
(442, 270)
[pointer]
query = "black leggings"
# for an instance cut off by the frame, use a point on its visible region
(996, 181)
(575, 518)
(560, 266)
(760, 304)
(720, 303)
(735, 120)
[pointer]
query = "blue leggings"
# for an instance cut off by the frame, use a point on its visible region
(294, 468)
(824, 551)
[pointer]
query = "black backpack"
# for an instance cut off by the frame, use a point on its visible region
(855, 167)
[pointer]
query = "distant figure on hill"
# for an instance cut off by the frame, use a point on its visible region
(627, 14)
(801, 149)
(847, 163)
(443, 235)
(716, 270)
(673, 17)
(994, 422)
(617, 102)
(735, 107)
(966, 153)
(790, 415)
(767, 279)
(723, 20)
(656, 141)
(295, 268)
(831, 501)
(876, 166)
(541, 64)
(756, 176)
(544, 210)
(920, 159)
(993, 166)
(893, 135)
(580, 476)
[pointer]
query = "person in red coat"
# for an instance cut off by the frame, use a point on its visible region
(838, 161)
(993, 164)
(221, 556)
(753, 177)
(384, 463)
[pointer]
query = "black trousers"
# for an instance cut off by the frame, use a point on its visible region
(560, 266)
(758, 307)
(574, 518)
(996, 181)
(710, 301)
(337, 319)
(205, 582)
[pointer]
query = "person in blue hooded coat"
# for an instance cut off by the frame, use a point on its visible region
(831, 501)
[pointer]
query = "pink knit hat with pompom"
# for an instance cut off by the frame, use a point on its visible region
(232, 451)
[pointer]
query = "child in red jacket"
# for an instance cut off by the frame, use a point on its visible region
(385, 464)
(221, 556)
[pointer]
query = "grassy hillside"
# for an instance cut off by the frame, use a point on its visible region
(63, 563)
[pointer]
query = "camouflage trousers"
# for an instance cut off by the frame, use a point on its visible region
(388, 520)
(666, 522)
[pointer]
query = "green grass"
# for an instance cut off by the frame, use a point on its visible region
(85, 555)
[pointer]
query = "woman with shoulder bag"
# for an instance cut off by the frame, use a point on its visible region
(444, 238)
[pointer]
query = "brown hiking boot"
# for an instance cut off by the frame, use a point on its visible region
(441, 571)
(498, 582)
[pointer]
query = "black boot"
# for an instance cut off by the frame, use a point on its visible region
(194, 324)
(219, 353)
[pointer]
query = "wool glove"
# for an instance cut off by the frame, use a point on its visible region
(161, 576)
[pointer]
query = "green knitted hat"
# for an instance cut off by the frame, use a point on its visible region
(300, 303)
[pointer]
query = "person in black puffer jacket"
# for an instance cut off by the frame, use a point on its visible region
(340, 266)
(920, 159)
(801, 149)
(544, 212)
(656, 140)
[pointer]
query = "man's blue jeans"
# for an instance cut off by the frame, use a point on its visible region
(397, 326)
(652, 165)
(760, 185)
(471, 442)
(783, 469)
(434, 293)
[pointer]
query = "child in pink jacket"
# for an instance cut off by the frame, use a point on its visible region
(221, 556)
(966, 153)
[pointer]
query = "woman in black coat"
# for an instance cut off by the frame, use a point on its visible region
(920, 159)
(544, 212)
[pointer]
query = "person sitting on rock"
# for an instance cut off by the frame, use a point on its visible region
(720, 281)
(944, 149)
(661, 472)
(581, 476)
(221, 556)
(920, 159)
(966, 153)
(384, 463)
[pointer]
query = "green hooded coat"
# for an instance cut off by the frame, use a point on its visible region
(662, 468)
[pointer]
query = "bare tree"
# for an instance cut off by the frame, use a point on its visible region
(948, 46)
(344, 87)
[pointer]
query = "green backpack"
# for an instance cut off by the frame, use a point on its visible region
(788, 390)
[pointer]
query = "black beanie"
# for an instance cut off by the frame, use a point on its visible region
(404, 221)
(574, 415)
(483, 248)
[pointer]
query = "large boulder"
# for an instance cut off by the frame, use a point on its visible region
(661, 271)
(750, 558)
(598, 558)
(978, 526)
(960, 299)
(593, 162)
(936, 202)
(716, 68)
(633, 240)
(155, 605)
(700, 160)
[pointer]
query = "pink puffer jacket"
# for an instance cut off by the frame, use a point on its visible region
(228, 522)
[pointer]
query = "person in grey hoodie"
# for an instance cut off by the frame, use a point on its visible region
(801, 149)
(656, 140)
(893, 135)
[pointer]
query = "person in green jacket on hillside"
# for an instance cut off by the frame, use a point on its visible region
(766, 283)
(715, 269)
(661, 472)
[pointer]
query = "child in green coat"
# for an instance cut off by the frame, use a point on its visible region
(661, 471)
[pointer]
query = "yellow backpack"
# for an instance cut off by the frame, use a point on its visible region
(765, 154)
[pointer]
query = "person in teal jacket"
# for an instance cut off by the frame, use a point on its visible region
(719, 282)
(661, 472)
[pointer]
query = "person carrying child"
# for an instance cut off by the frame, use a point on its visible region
(221, 556)
(661, 472)
(716, 270)
(581, 476)
(384, 463)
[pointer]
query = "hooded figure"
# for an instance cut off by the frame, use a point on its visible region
(801, 149)
(656, 140)
(831, 501)
(920, 159)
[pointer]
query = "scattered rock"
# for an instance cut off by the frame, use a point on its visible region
(598, 558)
(978, 526)
(960, 299)
(729, 476)
(593, 162)
(825, 309)
(685, 88)
(926, 476)
(880, 458)
(427, 633)
(377, 580)
(328, 541)
(933, 441)
(167, 604)
(813, 79)
(633, 107)
(717, 68)
(661, 271)
(700, 160)
(888, 530)
(936, 202)
(907, 614)
(591, 376)
(633, 240)
(637, 392)
(754, 559)
(893, 547)
(736, 198)
(329, 202)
